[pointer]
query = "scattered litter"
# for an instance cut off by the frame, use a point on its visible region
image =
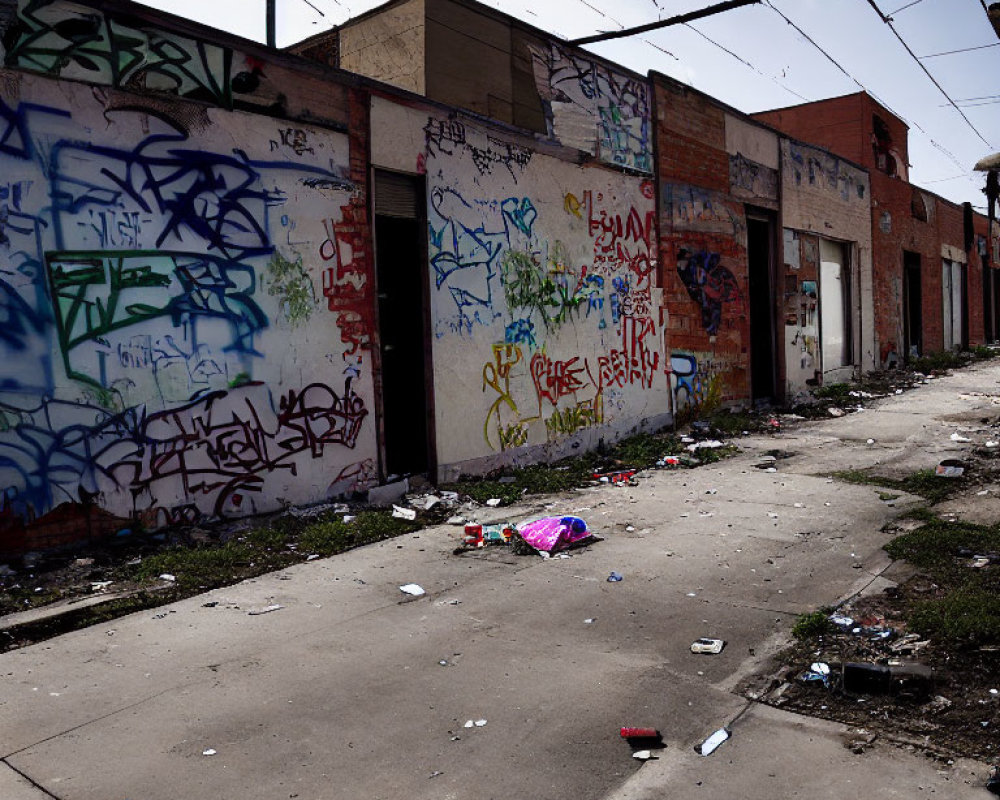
(312, 511)
(254, 612)
(549, 534)
(456, 520)
(493, 502)
(414, 589)
(434, 774)
(589, 621)
(629, 528)
(643, 755)
(619, 477)
(710, 444)
(983, 493)
(349, 518)
(799, 505)
(312, 557)
(836, 412)
(210, 604)
(404, 513)
(950, 468)
(772, 515)
(841, 621)
(871, 441)
(99, 586)
(910, 679)
(639, 737)
(957, 437)
(209, 752)
(818, 671)
(669, 461)
(481, 535)
(993, 783)
(614, 577)
(692, 594)
(710, 745)
(166, 576)
(706, 513)
(708, 646)
(993, 444)
(711, 491)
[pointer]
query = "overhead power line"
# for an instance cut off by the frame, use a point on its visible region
(963, 50)
(926, 71)
(743, 61)
(951, 156)
(718, 8)
(908, 5)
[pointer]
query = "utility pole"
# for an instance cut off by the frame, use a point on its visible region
(271, 24)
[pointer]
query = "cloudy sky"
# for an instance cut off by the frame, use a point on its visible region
(753, 59)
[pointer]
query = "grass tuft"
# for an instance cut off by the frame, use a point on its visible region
(811, 625)
(924, 483)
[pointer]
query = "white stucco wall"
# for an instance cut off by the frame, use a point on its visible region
(545, 315)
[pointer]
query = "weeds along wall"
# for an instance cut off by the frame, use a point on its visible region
(545, 313)
(182, 290)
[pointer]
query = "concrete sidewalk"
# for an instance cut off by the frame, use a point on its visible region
(341, 692)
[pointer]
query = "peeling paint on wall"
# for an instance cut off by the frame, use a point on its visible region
(594, 108)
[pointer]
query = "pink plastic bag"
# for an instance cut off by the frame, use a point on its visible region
(553, 533)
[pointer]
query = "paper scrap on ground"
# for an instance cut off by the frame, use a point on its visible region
(265, 610)
(253, 612)
(414, 589)
(710, 745)
(404, 513)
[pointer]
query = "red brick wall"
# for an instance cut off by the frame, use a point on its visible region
(702, 229)
(838, 124)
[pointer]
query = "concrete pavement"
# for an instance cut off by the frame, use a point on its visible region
(341, 692)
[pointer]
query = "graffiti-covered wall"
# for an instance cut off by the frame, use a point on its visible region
(594, 108)
(174, 340)
(703, 250)
(545, 312)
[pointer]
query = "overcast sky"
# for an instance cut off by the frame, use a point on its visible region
(781, 67)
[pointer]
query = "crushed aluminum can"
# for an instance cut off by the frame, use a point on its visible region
(708, 646)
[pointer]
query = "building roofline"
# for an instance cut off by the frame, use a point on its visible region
(862, 93)
(485, 10)
(750, 120)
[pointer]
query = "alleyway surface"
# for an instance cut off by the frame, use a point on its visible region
(341, 693)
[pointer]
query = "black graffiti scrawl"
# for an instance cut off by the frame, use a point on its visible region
(709, 284)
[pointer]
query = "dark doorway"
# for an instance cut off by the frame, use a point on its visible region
(760, 262)
(912, 318)
(400, 265)
(989, 295)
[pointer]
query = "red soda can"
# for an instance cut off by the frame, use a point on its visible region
(474, 535)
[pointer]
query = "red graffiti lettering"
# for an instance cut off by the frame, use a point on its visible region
(555, 379)
(635, 362)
